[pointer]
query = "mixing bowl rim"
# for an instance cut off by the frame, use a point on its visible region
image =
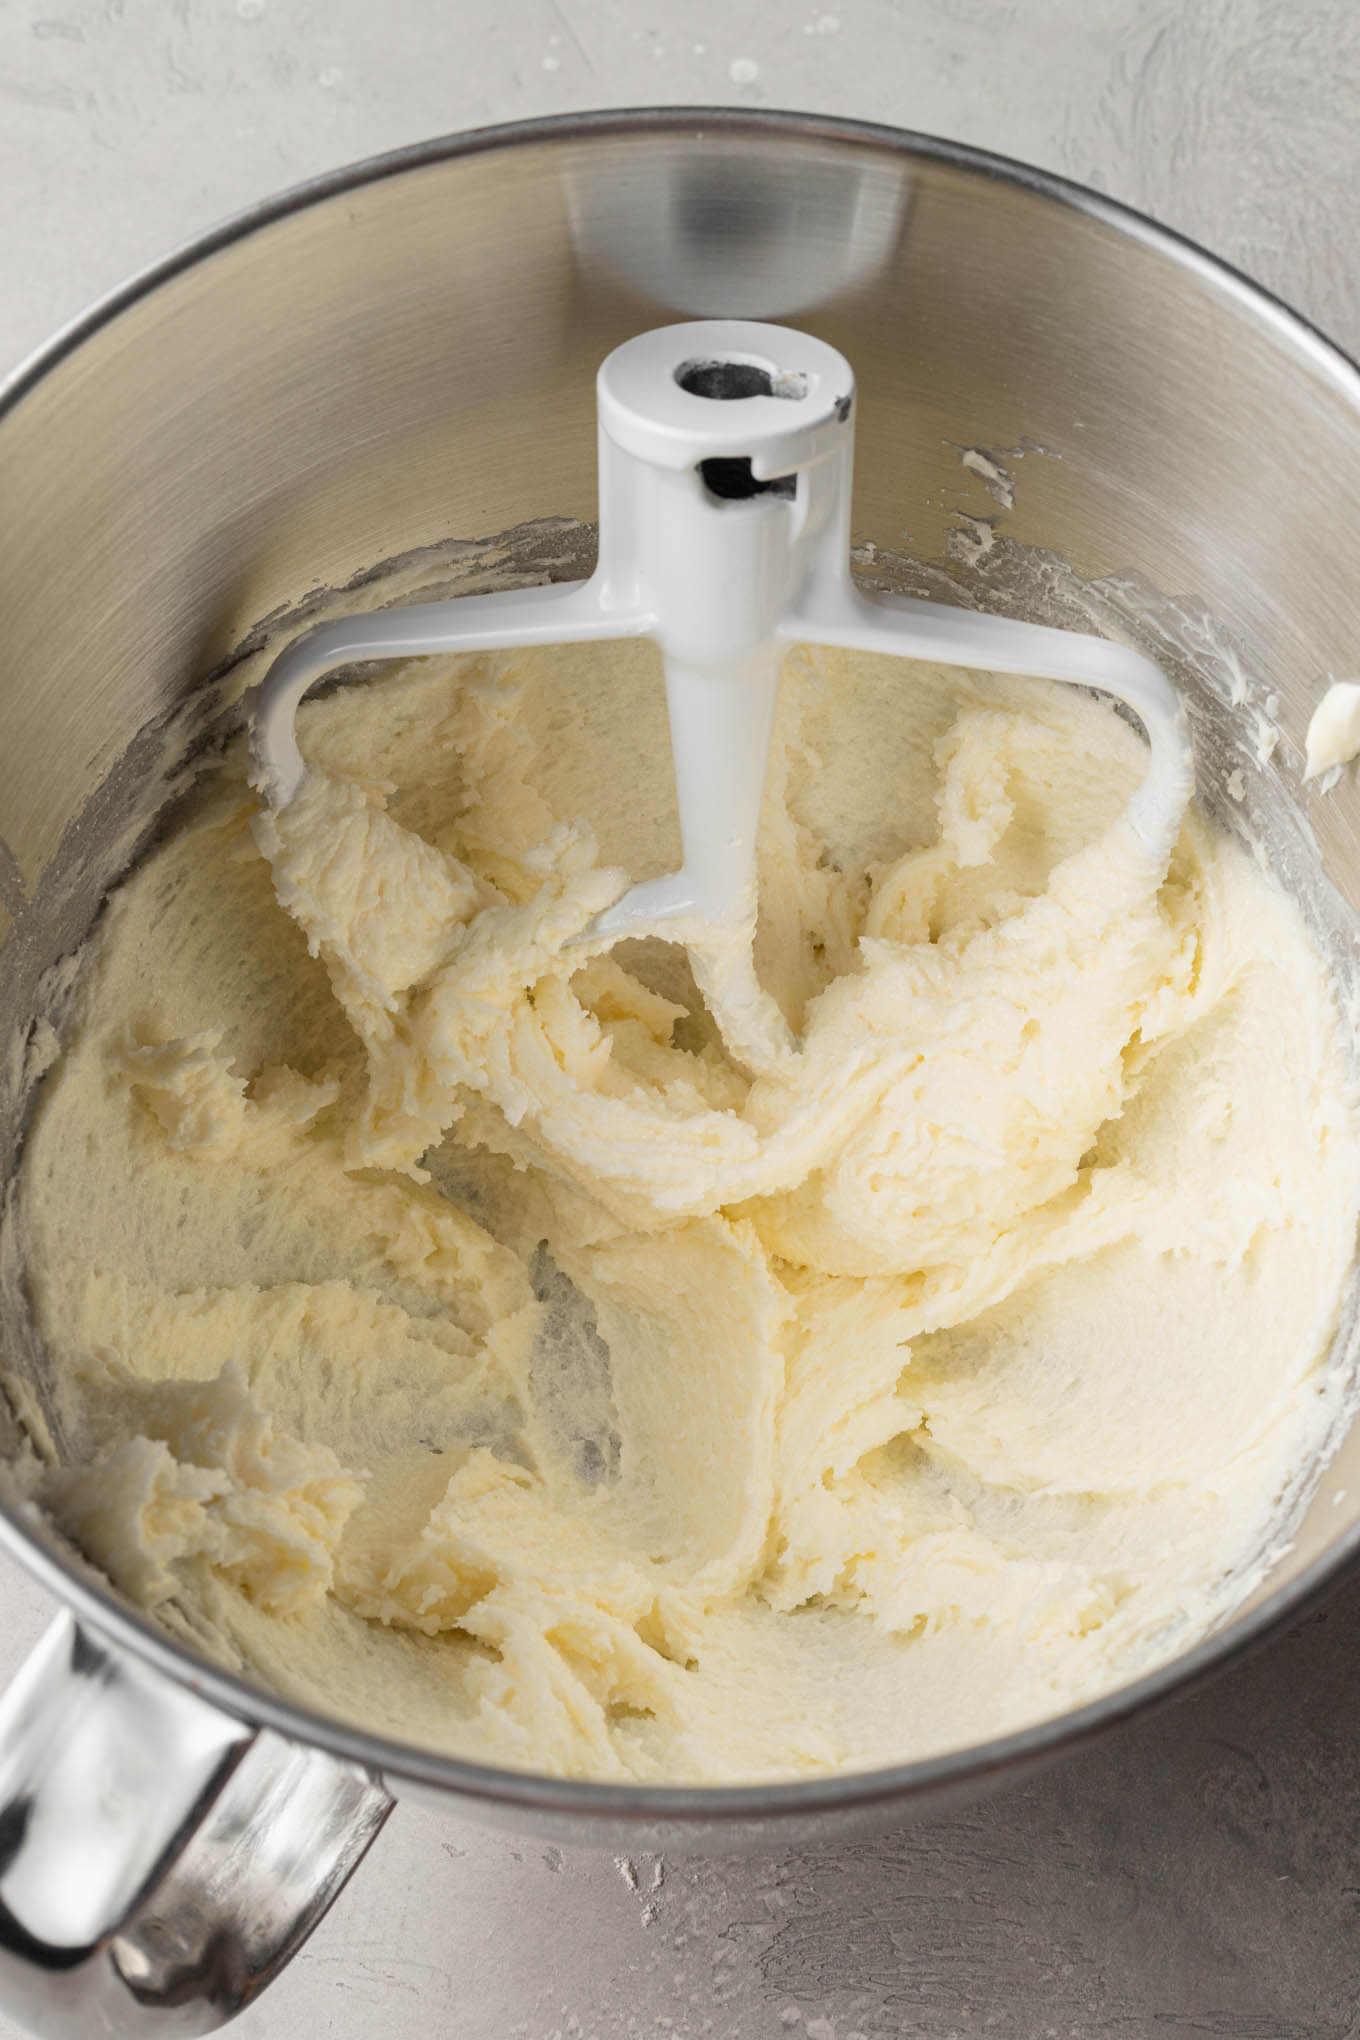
(776, 1802)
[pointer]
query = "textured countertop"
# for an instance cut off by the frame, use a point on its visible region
(1198, 1874)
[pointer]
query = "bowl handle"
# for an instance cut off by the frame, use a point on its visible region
(159, 1860)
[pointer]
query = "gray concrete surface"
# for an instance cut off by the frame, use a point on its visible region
(1198, 1874)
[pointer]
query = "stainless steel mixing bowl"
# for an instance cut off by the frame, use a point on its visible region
(404, 353)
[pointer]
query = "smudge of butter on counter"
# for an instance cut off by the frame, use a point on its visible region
(997, 480)
(1334, 729)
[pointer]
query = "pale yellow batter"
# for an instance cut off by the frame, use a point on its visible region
(452, 1332)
